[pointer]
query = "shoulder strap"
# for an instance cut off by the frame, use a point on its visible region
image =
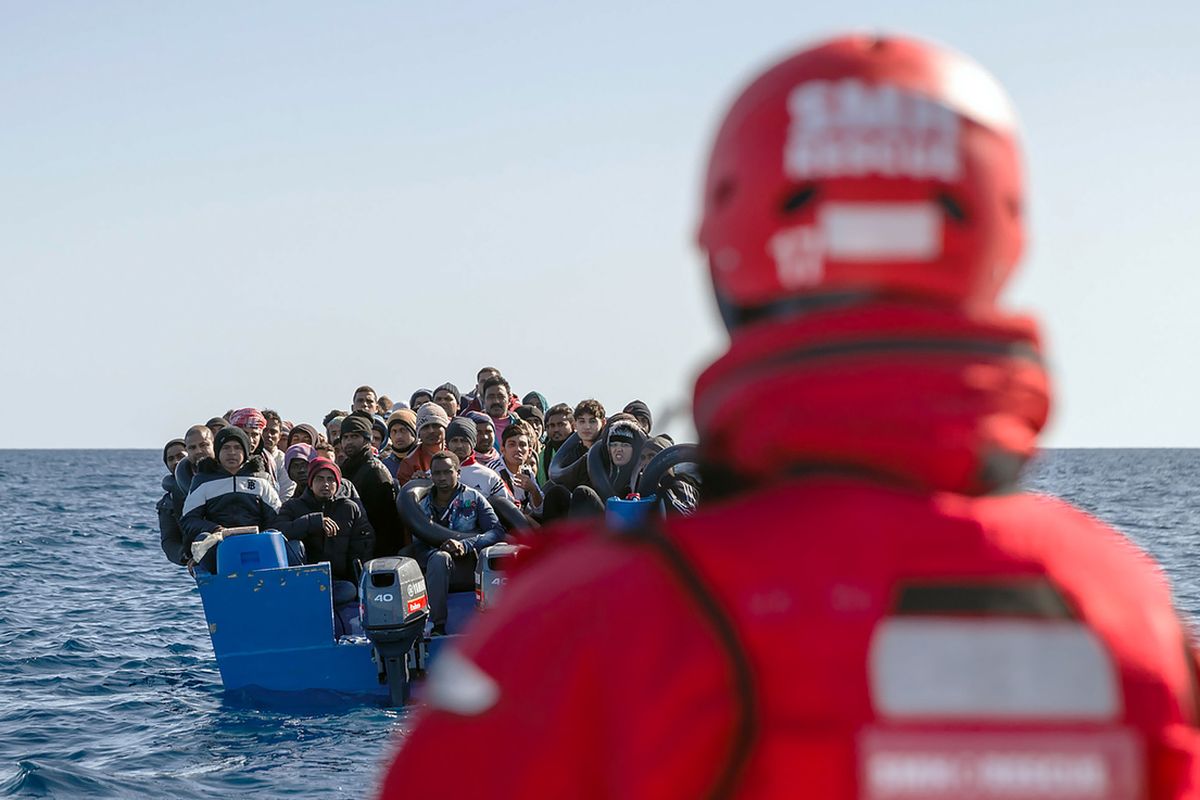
(745, 732)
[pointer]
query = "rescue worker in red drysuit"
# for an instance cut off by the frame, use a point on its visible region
(864, 606)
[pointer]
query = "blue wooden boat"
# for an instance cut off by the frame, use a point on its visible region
(273, 628)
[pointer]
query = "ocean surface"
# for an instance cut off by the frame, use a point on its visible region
(108, 687)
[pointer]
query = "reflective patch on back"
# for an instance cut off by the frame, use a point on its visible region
(913, 765)
(979, 669)
(457, 685)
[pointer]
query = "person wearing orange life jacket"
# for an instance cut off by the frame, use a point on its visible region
(864, 606)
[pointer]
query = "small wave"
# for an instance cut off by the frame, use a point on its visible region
(41, 778)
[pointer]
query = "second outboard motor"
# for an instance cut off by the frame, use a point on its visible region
(489, 572)
(393, 610)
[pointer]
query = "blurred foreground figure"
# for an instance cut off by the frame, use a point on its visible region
(864, 606)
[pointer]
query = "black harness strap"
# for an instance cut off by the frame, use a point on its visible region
(746, 725)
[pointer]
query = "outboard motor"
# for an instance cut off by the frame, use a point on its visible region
(393, 610)
(489, 572)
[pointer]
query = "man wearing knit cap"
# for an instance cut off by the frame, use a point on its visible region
(641, 412)
(461, 437)
(333, 528)
(485, 433)
(448, 398)
(431, 432)
(419, 398)
(229, 491)
(375, 486)
(402, 438)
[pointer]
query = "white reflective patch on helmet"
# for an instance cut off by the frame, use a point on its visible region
(457, 685)
(881, 231)
(856, 233)
(949, 668)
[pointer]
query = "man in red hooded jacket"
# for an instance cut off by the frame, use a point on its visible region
(864, 607)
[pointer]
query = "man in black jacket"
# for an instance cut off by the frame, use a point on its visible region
(375, 486)
(332, 526)
(229, 491)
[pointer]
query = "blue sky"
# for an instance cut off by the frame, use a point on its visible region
(268, 204)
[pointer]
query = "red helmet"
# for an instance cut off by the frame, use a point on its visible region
(864, 166)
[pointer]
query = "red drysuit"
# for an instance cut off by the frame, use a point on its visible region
(857, 611)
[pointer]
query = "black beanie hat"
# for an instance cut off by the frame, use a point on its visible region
(452, 389)
(461, 426)
(169, 445)
(231, 432)
(641, 411)
(412, 400)
(530, 412)
(357, 423)
(622, 432)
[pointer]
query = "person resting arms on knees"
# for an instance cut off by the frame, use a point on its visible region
(169, 533)
(229, 491)
(333, 528)
(473, 525)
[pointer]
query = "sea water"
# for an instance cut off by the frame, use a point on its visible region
(108, 686)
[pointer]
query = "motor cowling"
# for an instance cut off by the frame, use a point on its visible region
(490, 572)
(393, 609)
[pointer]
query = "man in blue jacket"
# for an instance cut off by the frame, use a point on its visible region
(472, 524)
(229, 491)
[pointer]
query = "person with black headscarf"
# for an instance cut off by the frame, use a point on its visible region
(170, 534)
